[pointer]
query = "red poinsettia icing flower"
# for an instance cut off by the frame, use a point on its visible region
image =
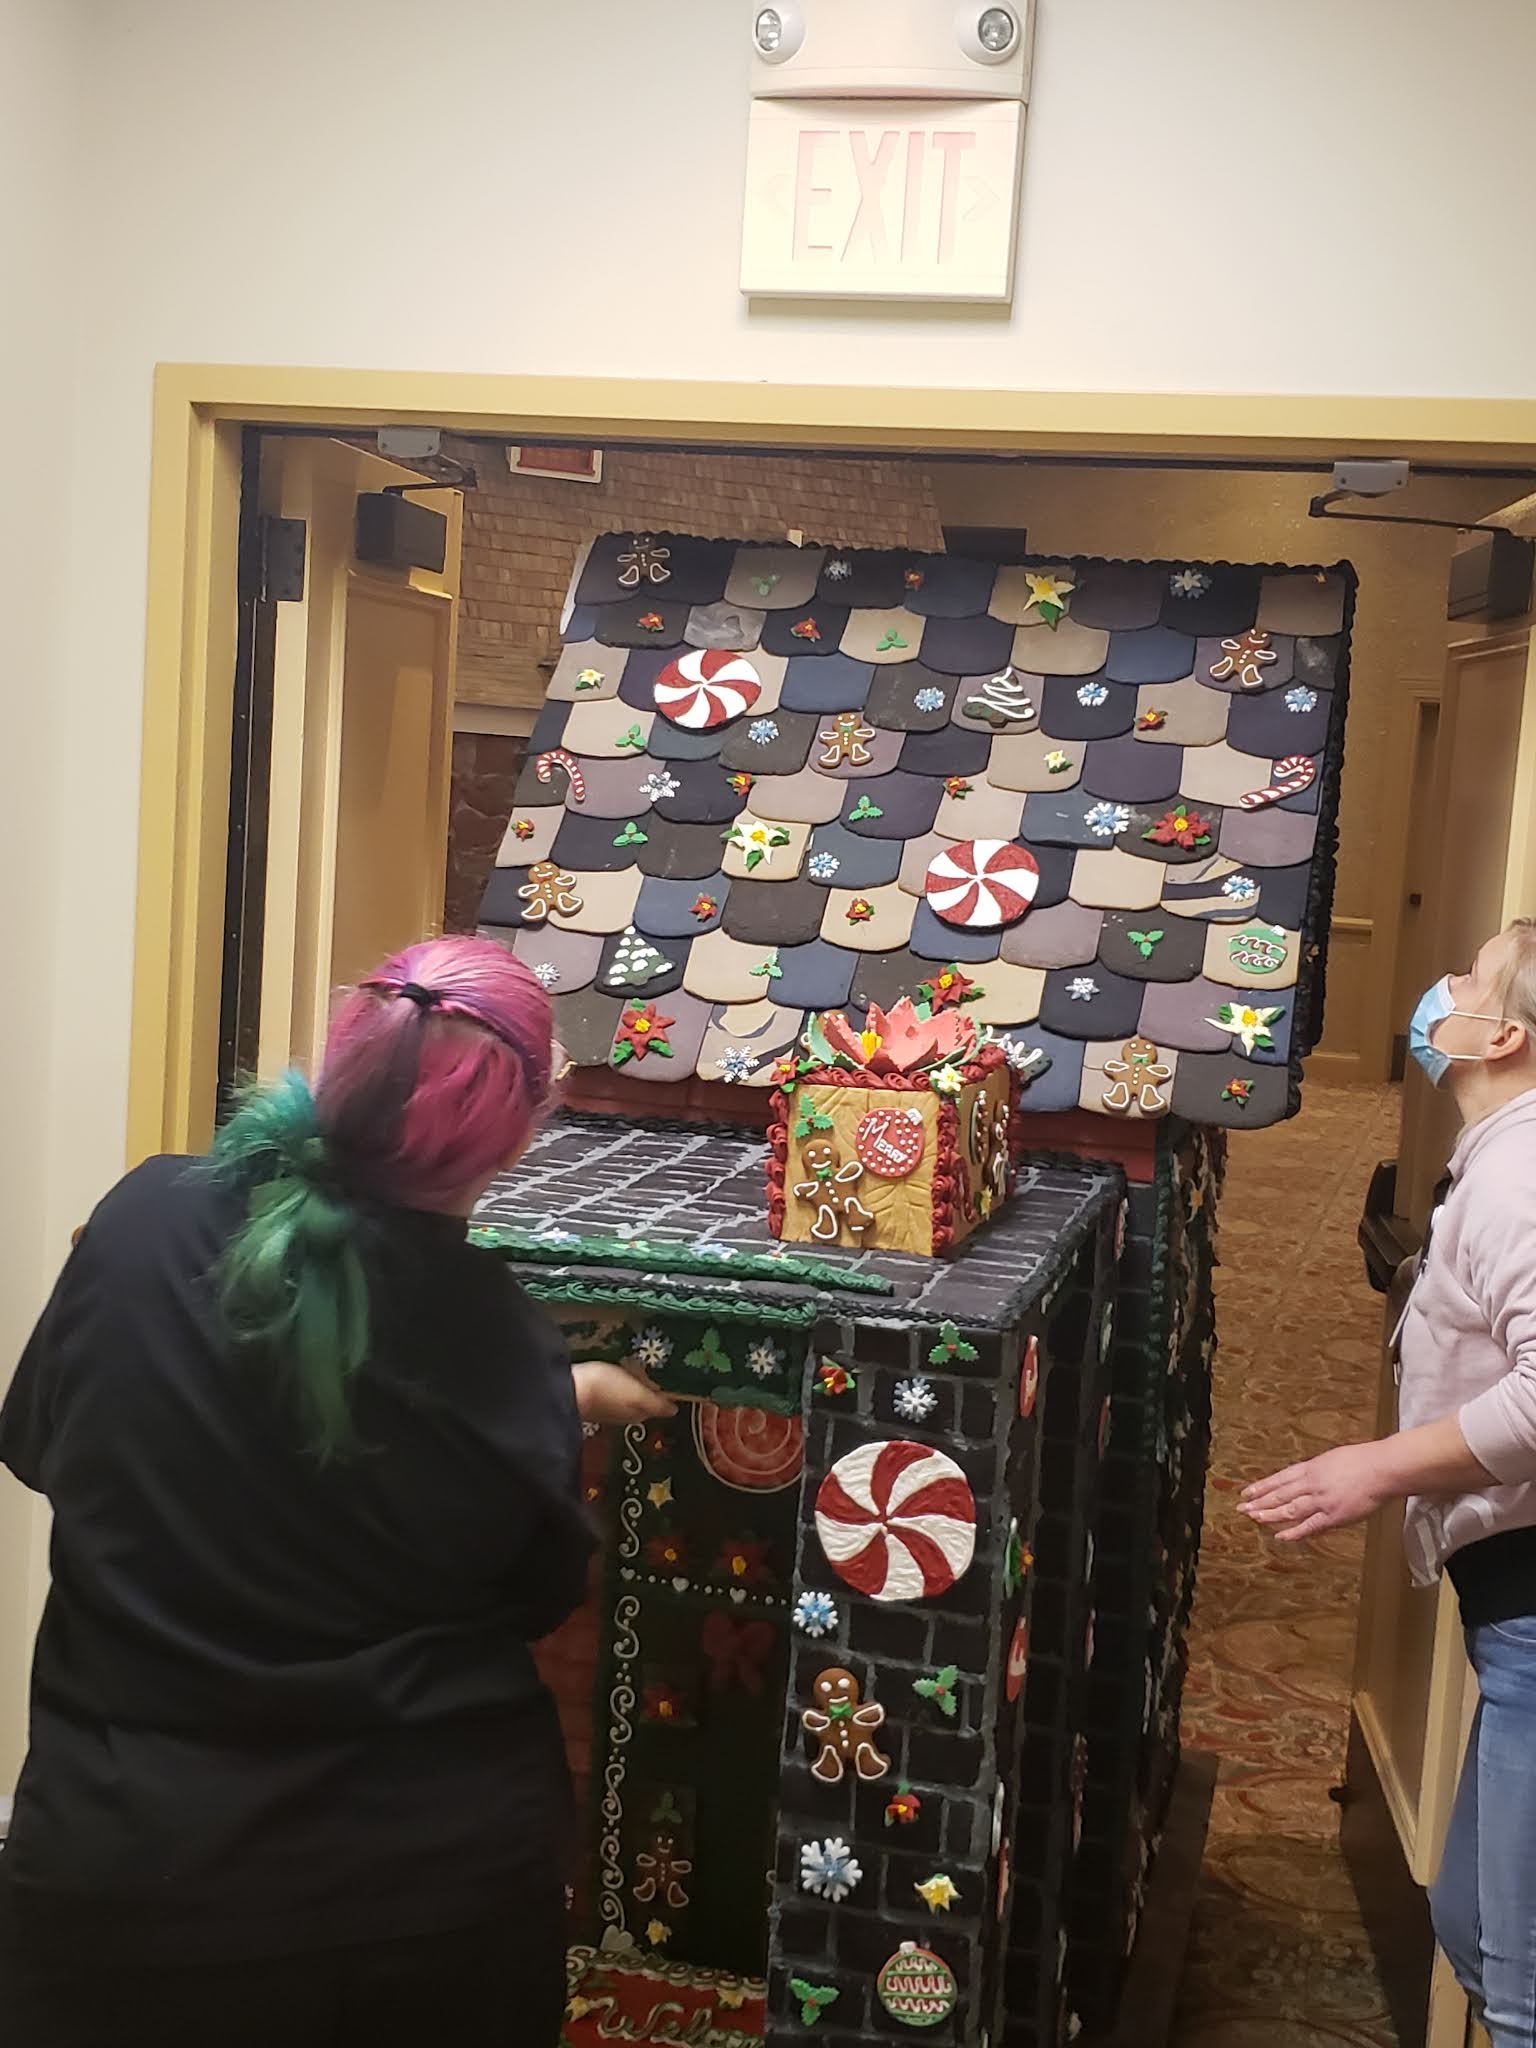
(1152, 721)
(786, 1071)
(661, 1703)
(956, 785)
(902, 1808)
(901, 1041)
(1237, 1091)
(641, 1031)
(704, 906)
(807, 629)
(834, 1379)
(651, 622)
(666, 1552)
(524, 828)
(860, 910)
(741, 783)
(1180, 827)
(947, 991)
(744, 1563)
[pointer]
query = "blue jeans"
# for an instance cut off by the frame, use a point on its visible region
(1484, 1899)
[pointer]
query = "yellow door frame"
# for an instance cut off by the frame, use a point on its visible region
(194, 508)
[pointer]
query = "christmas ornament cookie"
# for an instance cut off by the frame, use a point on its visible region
(706, 688)
(890, 1142)
(916, 1987)
(897, 1521)
(981, 884)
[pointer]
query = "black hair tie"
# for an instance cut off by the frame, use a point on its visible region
(423, 998)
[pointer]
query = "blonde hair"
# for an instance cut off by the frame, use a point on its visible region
(1516, 986)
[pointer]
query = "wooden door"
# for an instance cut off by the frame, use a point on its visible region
(362, 726)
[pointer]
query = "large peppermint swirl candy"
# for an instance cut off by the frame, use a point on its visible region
(897, 1521)
(753, 1450)
(706, 688)
(982, 883)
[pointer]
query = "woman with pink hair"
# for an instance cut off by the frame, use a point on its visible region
(313, 1461)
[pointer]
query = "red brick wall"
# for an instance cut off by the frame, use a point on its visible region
(485, 771)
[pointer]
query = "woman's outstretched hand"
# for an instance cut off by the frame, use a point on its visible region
(608, 1394)
(1327, 1492)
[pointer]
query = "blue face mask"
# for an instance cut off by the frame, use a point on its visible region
(1435, 1005)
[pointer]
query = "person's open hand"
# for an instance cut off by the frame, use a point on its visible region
(610, 1394)
(1327, 1492)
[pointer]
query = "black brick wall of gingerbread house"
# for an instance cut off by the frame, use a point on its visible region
(1038, 1473)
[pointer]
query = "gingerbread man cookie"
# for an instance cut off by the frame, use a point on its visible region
(830, 1187)
(843, 1730)
(845, 741)
(548, 888)
(1137, 1078)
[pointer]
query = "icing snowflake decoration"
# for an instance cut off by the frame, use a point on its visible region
(652, 1349)
(914, 1400)
(822, 866)
(554, 1236)
(815, 1614)
(736, 1062)
(545, 973)
(1189, 583)
(829, 1869)
(1107, 821)
(1301, 699)
(1240, 888)
(1092, 695)
(765, 1358)
(929, 699)
(709, 1250)
(1082, 988)
(658, 785)
(762, 732)
(838, 571)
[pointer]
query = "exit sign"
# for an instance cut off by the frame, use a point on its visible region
(908, 200)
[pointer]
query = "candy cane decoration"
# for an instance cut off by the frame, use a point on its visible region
(1292, 775)
(555, 758)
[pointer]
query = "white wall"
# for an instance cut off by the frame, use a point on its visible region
(39, 92)
(1327, 196)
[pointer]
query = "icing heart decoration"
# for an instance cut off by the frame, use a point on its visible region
(890, 1142)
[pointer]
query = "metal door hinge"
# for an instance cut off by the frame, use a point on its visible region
(282, 560)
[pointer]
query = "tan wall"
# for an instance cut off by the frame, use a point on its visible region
(522, 533)
(1399, 643)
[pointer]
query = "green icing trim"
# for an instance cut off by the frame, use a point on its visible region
(636, 1255)
(658, 1301)
(754, 1397)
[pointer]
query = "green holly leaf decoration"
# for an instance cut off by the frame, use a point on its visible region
(951, 1347)
(940, 1689)
(633, 836)
(864, 810)
(811, 1120)
(1144, 942)
(666, 1810)
(634, 738)
(891, 642)
(622, 1052)
(770, 967)
(709, 1355)
(814, 1999)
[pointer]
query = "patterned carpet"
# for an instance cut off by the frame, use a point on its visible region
(1278, 1958)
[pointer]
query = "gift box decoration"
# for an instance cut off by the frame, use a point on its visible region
(898, 1134)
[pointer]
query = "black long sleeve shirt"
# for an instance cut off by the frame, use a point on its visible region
(280, 1703)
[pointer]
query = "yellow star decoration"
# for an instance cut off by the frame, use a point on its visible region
(578, 2008)
(938, 1894)
(660, 1494)
(656, 1932)
(730, 1997)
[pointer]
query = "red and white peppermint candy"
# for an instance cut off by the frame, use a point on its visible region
(1292, 775)
(981, 883)
(750, 1449)
(706, 688)
(897, 1521)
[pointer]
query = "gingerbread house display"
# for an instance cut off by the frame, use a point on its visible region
(915, 926)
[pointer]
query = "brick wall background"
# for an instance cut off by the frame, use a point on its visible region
(521, 538)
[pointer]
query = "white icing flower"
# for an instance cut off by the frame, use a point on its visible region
(1092, 695)
(838, 571)
(1082, 988)
(1107, 821)
(1300, 699)
(762, 732)
(659, 784)
(823, 866)
(545, 973)
(1189, 583)
(764, 1358)
(829, 1869)
(736, 1062)
(914, 1400)
(652, 1349)
(815, 1614)
(929, 699)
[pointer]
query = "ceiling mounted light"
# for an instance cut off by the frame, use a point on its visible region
(778, 32)
(988, 35)
(997, 31)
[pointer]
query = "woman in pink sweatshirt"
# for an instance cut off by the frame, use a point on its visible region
(1464, 1460)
